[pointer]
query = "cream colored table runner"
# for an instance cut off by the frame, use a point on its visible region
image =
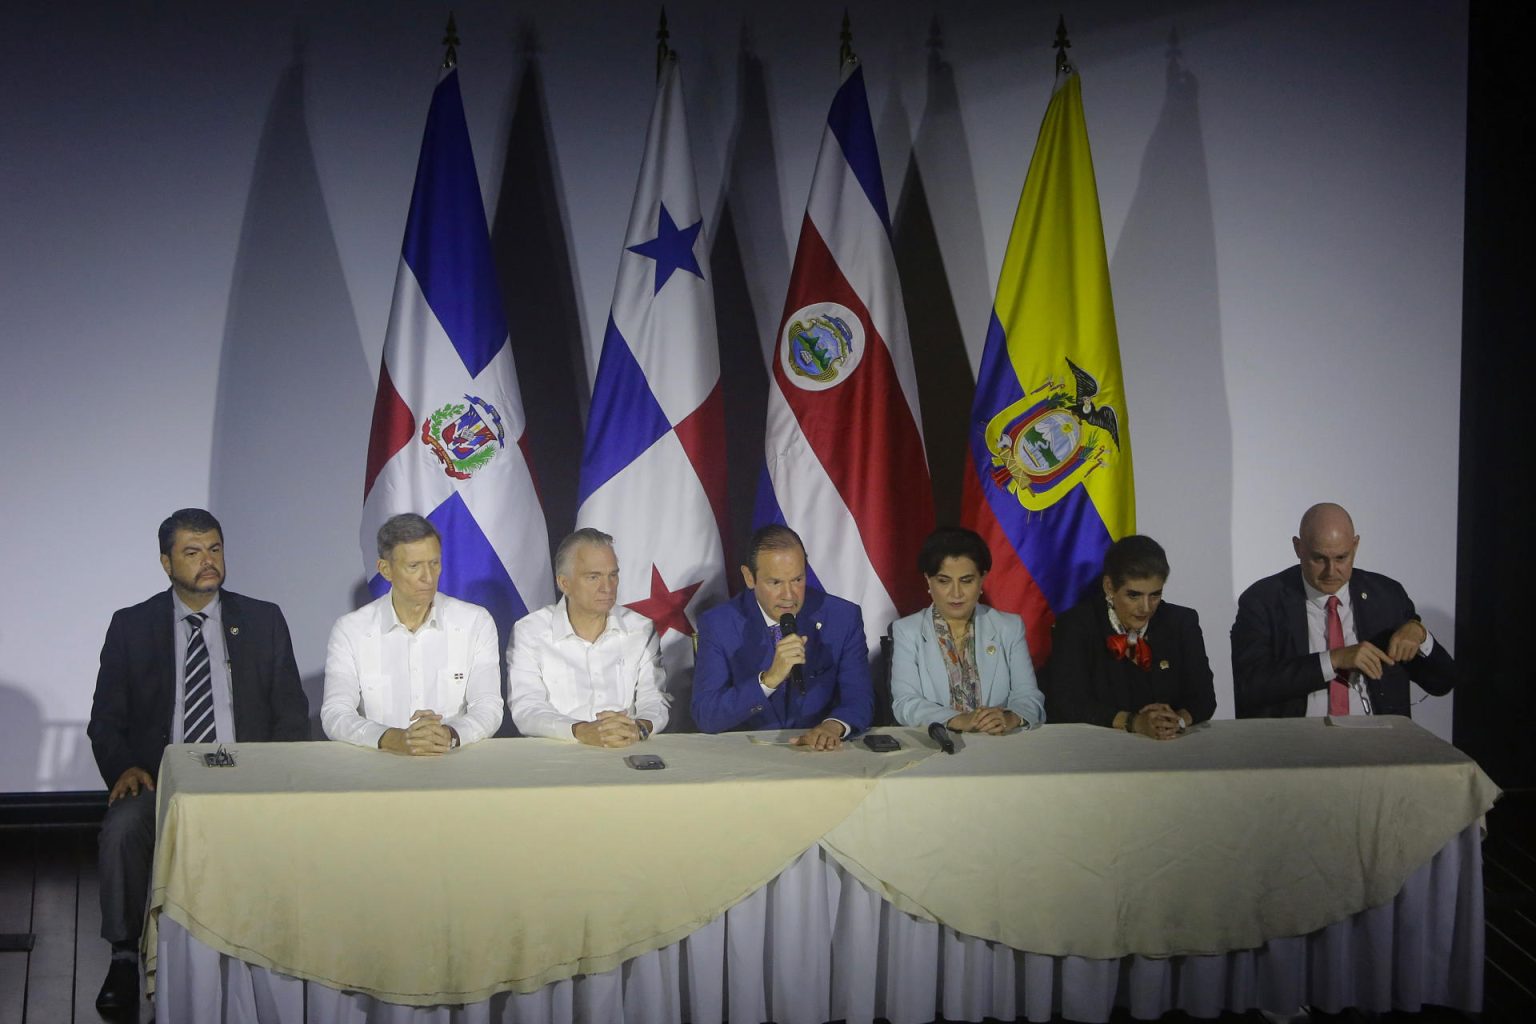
(1101, 844)
(502, 866)
(514, 863)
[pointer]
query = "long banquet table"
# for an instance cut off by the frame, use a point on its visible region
(1063, 871)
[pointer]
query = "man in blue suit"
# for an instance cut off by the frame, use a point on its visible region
(744, 676)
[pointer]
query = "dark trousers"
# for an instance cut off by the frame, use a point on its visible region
(125, 855)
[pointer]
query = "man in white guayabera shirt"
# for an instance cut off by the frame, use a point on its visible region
(583, 668)
(414, 672)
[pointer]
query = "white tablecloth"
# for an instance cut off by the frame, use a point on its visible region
(816, 945)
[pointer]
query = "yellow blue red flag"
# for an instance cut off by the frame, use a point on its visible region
(1048, 479)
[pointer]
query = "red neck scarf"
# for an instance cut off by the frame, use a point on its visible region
(1120, 646)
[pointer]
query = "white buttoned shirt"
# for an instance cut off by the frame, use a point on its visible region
(377, 672)
(555, 679)
(1317, 641)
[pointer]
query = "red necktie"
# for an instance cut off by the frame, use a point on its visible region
(1338, 686)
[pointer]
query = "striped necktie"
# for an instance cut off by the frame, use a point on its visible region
(197, 703)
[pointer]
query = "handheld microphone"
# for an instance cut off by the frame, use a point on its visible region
(796, 672)
(939, 733)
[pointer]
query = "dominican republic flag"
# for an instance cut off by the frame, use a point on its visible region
(449, 439)
(845, 461)
(1048, 480)
(653, 469)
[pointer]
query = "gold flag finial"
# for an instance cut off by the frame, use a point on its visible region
(451, 41)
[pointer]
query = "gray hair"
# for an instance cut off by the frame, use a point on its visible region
(405, 528)
(567, 549)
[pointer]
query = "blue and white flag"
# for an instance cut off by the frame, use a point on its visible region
(449, 439)
(653, 471)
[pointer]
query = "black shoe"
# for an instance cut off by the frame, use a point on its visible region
(121, 989)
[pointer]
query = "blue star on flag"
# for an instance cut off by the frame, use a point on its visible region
(672, 248)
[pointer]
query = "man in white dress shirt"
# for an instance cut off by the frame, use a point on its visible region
(583, 668)
(414, 672)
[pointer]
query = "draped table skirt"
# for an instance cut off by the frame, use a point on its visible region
(814, 944)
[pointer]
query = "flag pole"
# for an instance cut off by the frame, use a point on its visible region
(845, 54)
(451, 41)
(664, 50)
(1062, 44)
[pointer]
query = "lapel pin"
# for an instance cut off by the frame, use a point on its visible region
(234, 630)
(1364, 595)
(818, 625)
(1163, 664)
(991, 648)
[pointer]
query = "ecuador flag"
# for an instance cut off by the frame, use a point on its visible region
(1048, 478)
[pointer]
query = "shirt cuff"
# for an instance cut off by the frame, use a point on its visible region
(846, 731)
(768, 691)
(369, 734)
(1327, 664)
(1428, 645)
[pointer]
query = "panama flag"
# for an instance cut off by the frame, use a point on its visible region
(449, 437)
(1048, 479)
(845, 462)
(653, 468)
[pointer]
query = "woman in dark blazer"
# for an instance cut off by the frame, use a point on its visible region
(959, 662)
(1127, 659)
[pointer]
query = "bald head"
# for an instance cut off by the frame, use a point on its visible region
(1326, 547)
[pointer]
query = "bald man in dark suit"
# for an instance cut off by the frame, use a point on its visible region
(1325, 638)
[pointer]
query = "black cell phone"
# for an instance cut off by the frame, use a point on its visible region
(881, 744)
(645, 762)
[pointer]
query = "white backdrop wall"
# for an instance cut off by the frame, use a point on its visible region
(201, 208)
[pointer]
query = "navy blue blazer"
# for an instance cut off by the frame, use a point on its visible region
(1085, 683)
(734, 649)
(1273, 670)
(136, 686)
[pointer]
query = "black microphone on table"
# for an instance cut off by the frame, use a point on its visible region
(939, 733)
(796, 672)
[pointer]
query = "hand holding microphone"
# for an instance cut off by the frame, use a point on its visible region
(788, 657)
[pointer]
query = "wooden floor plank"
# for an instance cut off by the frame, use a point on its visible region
(92, 954)
(15, 916)
(51, 970)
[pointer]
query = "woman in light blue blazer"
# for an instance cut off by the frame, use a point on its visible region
(957, 661)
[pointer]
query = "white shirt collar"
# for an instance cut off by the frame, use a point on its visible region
(1317, 597)
(389, 618)
(211, 609)
(560, 627)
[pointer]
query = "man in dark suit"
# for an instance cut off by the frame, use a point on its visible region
(744, 676)
(1325, 638)
(194, 663)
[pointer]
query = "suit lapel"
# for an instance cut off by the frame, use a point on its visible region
(1296, 611)
(162, 650)
(989, 661)
(1360, 605)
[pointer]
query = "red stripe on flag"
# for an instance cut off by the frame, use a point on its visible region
(393, 427)
(702, 434)
(863, 433)
(1009, 586)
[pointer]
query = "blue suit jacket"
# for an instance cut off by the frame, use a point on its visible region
(734, 648)
(920, 681)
